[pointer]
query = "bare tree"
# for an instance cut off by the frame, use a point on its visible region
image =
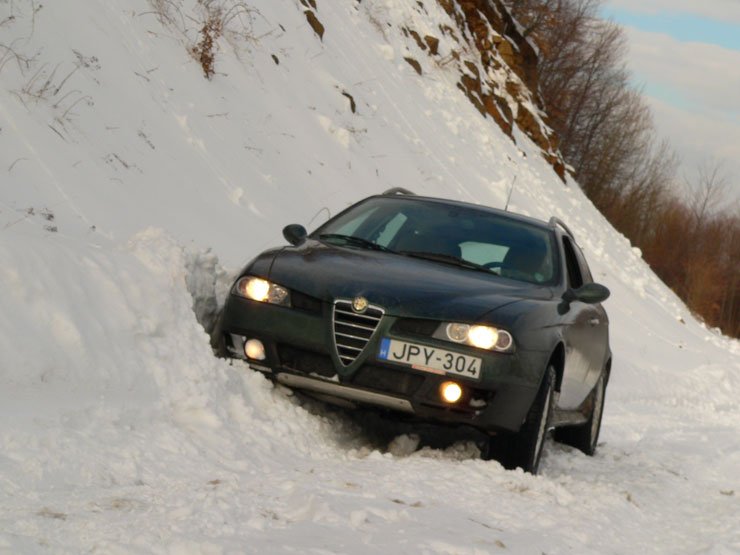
(608, 137)
(709, 191)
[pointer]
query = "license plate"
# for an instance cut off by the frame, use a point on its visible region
(429, 359)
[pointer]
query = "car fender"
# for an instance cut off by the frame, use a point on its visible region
(261, 265)
(534, 323)
(536, 328)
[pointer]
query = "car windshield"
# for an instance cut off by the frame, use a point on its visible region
(446, 233)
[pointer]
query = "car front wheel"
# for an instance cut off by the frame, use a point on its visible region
(524, 449)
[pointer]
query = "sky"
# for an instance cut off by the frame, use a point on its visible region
(685, 55)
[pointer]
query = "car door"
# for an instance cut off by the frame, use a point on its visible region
(582, 327)
(597, 342)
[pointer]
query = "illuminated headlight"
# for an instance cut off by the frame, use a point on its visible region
(261, 290)
(483, 337)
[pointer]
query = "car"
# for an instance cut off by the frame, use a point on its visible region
(432, 311)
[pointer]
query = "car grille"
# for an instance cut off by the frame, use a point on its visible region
(352, 330)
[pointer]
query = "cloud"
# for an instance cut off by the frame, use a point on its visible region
(700, 139)
(691, 84)
(727, 11)
(692, 90)
(706, 76)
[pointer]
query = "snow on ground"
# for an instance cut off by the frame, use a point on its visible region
(133, 188)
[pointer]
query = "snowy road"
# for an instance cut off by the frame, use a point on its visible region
(174, 451)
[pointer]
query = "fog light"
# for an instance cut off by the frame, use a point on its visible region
(254, 349)
(451, 392)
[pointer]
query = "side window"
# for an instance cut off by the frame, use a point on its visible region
(585, 272)
(575, 280)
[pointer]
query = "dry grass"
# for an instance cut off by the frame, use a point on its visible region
(210, 21)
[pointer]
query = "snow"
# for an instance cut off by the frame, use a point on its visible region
(134, 188)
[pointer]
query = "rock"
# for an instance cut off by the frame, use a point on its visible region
(413, 63)
(432, 43)
(315, 24)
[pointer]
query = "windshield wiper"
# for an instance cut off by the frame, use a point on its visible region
(447, 259)
(355, 241)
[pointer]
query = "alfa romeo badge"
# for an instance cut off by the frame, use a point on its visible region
(359, 304)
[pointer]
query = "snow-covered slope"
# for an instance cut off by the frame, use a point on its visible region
(132, 187)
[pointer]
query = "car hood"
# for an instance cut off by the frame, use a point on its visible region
(402, 285)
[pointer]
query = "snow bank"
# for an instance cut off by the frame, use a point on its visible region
(127, 436)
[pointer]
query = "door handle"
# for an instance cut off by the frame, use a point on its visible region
(594, 322)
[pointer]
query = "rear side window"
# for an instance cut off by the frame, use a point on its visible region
(575, 279)
(585, 272)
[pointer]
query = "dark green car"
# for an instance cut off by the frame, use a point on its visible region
(437, 311)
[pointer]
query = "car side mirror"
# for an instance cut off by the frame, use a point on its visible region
(591, 293)
(295, 234)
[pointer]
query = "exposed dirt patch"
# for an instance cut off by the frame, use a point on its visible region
(413, 63)
(315, 24)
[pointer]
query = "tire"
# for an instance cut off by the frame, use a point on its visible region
(585, 436)
(524, 449)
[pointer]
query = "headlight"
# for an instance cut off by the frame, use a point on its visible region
(483, 337)
(261, 290)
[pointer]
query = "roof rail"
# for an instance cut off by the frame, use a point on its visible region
(398, 191)
(554, 222)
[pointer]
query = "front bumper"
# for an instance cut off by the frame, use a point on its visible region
(345, 392)
(300, 353)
